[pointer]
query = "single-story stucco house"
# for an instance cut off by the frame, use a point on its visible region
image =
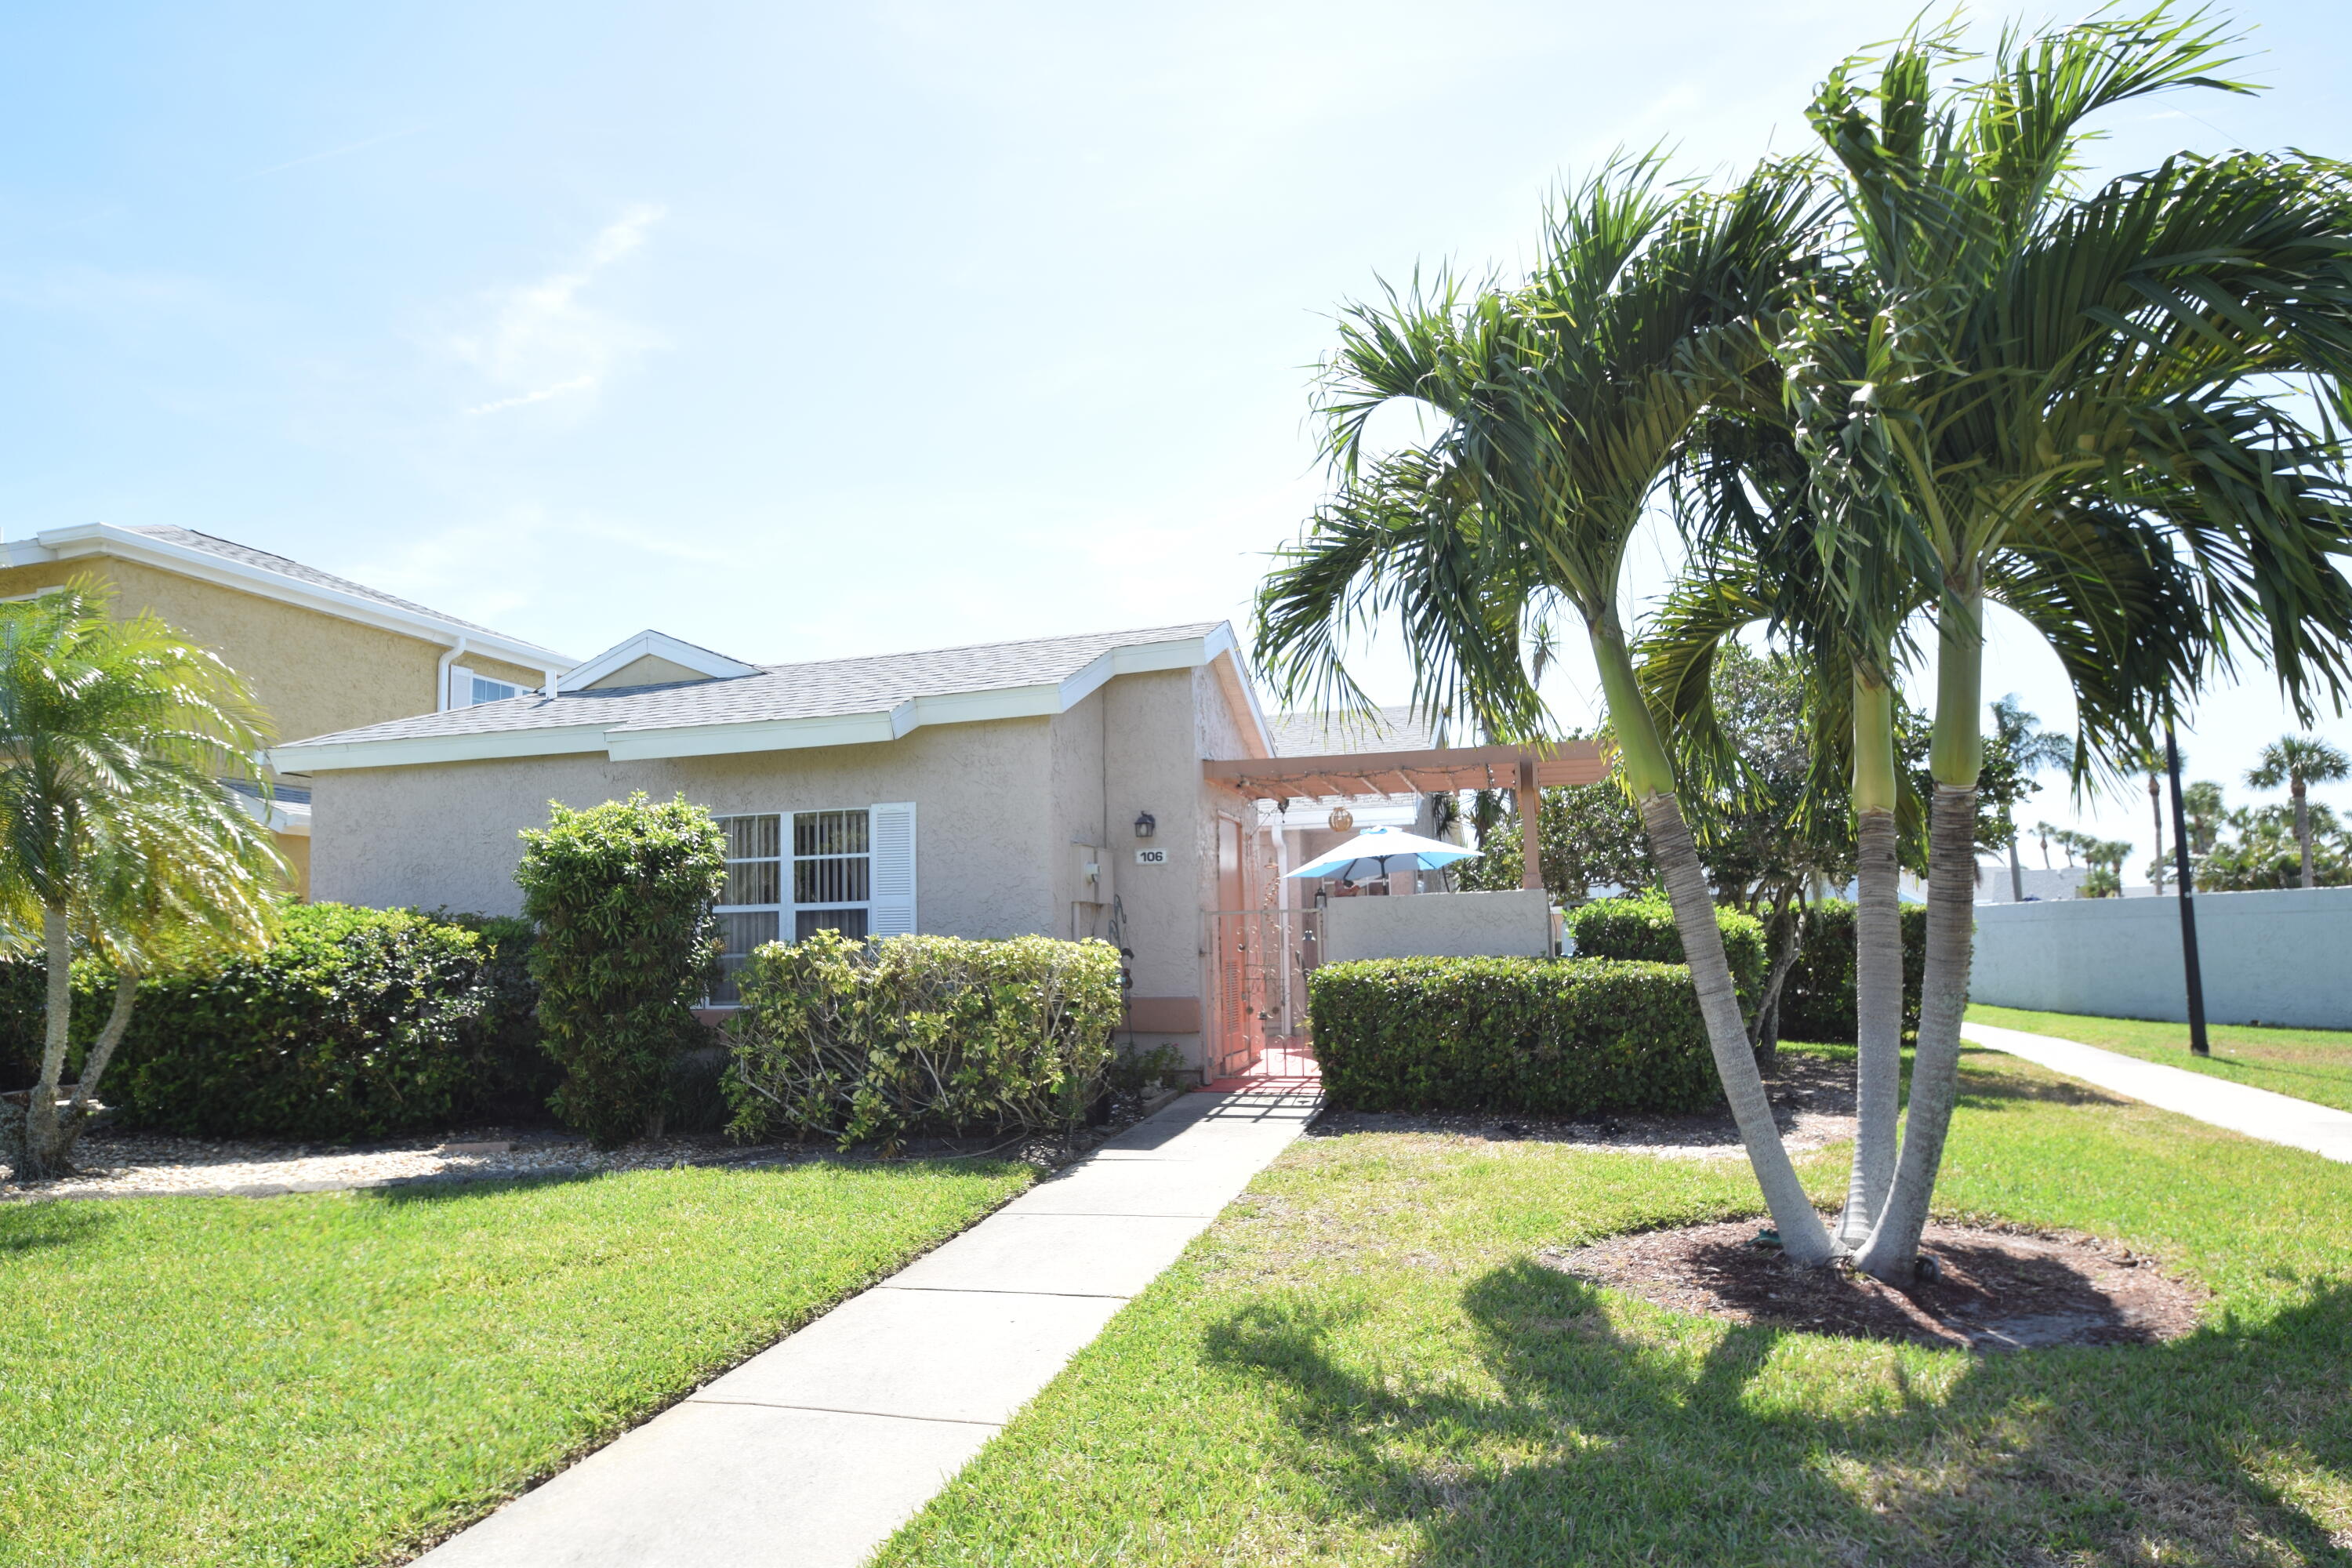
(1122, 784)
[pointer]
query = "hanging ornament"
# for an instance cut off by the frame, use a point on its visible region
(1340, 820)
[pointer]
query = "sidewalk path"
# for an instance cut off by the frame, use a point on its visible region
(810, 1453)
(2241, 1108)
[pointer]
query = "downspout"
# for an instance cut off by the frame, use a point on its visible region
(442, 674)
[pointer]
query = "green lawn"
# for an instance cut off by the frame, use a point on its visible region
(2309, 1064)
(1366, 1361)
(332, 1379)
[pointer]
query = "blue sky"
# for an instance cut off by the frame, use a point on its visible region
(802, 330)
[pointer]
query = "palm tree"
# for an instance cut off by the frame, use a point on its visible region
(2031, 748)
(1563, 402)
(116, 832)
(2122, 624)
(2299, 762)
(2020, 361)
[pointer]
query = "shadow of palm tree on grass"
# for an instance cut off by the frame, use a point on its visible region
(32, 1226)
(1598, 1432)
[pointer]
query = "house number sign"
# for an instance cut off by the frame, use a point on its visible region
(1152, 856)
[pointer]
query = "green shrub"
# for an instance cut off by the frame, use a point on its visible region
(1545, 1037)
(1642, 929)
(1817, 1000)
(352, 1023)
(878, 1041)
(622, 895)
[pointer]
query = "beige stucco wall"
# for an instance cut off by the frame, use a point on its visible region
(999, 808)
(446, 834)
(312, 672)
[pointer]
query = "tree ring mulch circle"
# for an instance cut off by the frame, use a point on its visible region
(1996, 1289)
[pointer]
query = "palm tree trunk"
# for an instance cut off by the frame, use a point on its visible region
(2016, 872)
(1878, 1024)
(1651, 776)
(44, 1151)
(2302, 833)
(1652, 782)
(102, 1052)
(1955, 758)
(1802, 1236)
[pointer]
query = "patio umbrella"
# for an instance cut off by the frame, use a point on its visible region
(1386, 848)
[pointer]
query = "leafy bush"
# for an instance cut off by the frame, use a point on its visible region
(352, 1023)
(622, 895)
(1817, 1000)
(921, 1034)
(1642, 929)
(1547, 1037)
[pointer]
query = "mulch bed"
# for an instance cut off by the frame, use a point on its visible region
(1997, 1290)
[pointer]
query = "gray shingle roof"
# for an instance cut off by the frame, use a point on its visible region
(824, 688)
(1333, 735)
(245, 554)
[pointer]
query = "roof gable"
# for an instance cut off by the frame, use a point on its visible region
(651, 658)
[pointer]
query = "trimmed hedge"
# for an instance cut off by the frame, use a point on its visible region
(1817, 1001)
(1545, 1036)
(1642, 929)
(878, 1041)
(352, 1023)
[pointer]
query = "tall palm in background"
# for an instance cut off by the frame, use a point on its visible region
(2018, 364)
(2031, 750)
(2299, 762)
(115, 833)
(1561, 405)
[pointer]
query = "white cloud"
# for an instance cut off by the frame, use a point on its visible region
(546, 342)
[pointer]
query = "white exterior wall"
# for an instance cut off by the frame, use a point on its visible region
(2273, 958)
(1514, 924)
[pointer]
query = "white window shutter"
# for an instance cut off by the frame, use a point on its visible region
(461, 686)
(894, 870)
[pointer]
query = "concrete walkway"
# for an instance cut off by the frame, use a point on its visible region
(810, 1453)
(2256, 1112)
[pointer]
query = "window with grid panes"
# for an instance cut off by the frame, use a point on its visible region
(798, 870)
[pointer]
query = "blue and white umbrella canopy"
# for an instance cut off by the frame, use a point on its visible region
(1377, 851)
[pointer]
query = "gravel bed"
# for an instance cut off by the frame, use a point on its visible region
(114, 1164)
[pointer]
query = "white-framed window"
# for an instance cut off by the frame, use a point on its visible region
(465, 688)
(790, 873)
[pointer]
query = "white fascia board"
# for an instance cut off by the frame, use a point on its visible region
(1143, 658)
(406, 750)
(288, 817)
(658, 644)
(104, 539)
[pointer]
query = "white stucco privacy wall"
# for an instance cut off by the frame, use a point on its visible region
(1512, 925)
(2275, 958)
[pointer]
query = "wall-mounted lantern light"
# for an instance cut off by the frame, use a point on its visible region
(1145, 825)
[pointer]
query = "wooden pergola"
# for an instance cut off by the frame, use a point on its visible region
(1437, 770)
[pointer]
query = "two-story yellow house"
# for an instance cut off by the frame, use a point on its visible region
(322, 653)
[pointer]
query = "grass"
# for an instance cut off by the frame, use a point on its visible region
(2309, 1064)
(334, 1379)
(1368, 1361)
